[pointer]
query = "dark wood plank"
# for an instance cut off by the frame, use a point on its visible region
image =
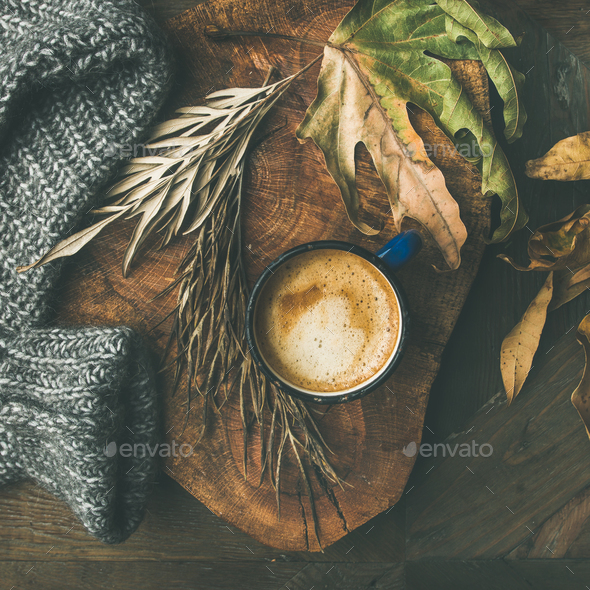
(484, 507)
(463, 575)
(209, 575)
(564, 574)
(91, 575)
(494, 574)
(35, 526)
(567, 20)
(564, 534)
(345, 576)
(572, 522)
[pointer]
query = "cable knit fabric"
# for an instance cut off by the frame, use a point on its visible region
(65, 395)
(79, 81)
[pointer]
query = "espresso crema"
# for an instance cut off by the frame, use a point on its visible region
(327, 321)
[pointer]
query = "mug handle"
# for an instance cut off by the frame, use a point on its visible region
(401, 249)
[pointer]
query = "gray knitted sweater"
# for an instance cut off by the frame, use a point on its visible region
(78, 80)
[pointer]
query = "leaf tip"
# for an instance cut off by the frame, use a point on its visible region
(452, 266)
(301, 133)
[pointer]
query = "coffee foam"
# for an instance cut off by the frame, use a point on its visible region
(327, 321)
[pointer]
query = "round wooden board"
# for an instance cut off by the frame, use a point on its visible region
(289, 199)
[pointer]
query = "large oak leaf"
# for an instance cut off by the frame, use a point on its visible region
(382, 56)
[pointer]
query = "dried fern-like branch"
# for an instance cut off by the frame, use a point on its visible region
(193, 161)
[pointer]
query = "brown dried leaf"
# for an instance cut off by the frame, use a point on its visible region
(568, 159)
(520, 345)
(564, 247)
(347, 111)
(581, 395)
(563, 244)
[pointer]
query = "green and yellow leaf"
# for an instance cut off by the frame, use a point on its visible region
(385, 54)
(489, 31)
(348, 111)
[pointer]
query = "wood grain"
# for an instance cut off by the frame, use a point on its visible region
(90, 575)
(35, 526)
(523, 494)
(557, 536)
(210, 575)
(497, 573)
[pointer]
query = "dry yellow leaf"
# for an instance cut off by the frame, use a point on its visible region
(520, 345)
(568, 159)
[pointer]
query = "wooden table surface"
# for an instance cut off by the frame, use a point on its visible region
(516, 519)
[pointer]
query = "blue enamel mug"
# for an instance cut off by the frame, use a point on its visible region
(328, 321)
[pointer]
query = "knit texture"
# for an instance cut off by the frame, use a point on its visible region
(80, 80)
(65, 395)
